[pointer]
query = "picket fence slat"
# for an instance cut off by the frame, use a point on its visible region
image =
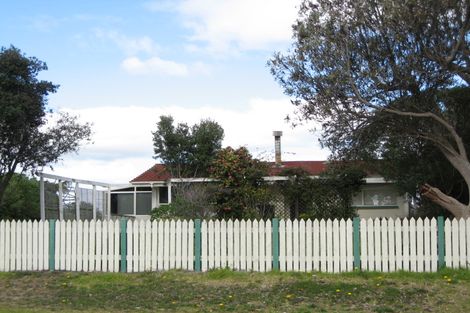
(462, 244)
(427, 245)
(15, 237)
(9, 246)
(269, 248)
(467, 225)
(86, 251)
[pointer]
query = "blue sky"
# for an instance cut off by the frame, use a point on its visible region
(122, 64)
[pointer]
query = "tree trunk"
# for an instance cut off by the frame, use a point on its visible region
(461, 163)
(458, 209)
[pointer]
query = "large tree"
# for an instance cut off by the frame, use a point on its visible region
(357, 63)
(21, 199)
(412, 162)
(241, 189)
(187, 151)
(29, 141)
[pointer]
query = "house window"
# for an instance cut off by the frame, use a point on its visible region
(163, 194)
(122, 204)
(376, 196)
(143, 203)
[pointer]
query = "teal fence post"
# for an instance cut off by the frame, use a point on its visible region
(356, 243)
(275, 241)
(123, 245)
(51, 245)
(441, 242)
(197, 245)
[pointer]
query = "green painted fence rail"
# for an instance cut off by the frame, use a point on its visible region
(275, 243)
(356, 242)
(197, 245)
(441, 242)
(51, 245)
(123, 245)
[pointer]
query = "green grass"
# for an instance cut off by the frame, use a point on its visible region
(229, 291)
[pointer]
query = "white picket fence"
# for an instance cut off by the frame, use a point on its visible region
(325, 246)
(391, 245)
(87, 246)
(162, 245)
(24, 246)
(303, 245)
(240, 245)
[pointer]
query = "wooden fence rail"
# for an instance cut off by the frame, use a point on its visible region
(386, 245)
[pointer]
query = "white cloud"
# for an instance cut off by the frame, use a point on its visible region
(134, 65)
(156, 65)
(232, 25)
(129, 45)
(123, 146)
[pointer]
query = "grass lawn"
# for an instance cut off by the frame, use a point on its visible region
(228, 291)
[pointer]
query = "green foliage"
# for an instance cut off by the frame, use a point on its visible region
(411, 162)
(372, 73)
(26, 140)
(191, 201)
(187, 151)
(21, 199)
(329, 196)
(242, 192)
(163, 212)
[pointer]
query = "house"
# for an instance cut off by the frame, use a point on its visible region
(153, 188)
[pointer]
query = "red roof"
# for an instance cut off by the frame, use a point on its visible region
(312, 167)
(159, 173)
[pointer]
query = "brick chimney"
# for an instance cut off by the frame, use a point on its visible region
(277, 147)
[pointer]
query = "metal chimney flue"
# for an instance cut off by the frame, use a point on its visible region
(277, 147)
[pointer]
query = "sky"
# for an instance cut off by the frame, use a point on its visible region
(121, 64)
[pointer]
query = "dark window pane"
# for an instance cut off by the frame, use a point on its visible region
(144, 188)
(163, 192)
(125, 203)
(144, 203)
(124, 189)
(114, 202)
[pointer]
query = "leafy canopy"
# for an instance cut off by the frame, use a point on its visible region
(187, 151)
(242, 192)
(21, 200)
(29, 141)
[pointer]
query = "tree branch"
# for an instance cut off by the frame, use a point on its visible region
(458, 140)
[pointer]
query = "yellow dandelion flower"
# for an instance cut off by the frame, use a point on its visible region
(378, 285)
(230, 296)
(445, 277)
(338, 290)
(349, 293)
(449, 280)
(221, 304)
(173, 302)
